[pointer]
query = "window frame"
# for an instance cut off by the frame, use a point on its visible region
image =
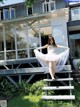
(49, 6)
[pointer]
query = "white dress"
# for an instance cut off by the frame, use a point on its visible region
(60, 58)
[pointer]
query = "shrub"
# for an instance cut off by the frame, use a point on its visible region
(78, 65)
(36, 88)
(24, 88)
(7, 89)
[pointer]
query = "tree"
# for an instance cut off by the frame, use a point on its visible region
(29, 2)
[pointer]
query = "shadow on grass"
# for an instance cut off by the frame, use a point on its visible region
(35, 101)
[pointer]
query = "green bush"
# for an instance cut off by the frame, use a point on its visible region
(7, 89)
(78, 65)
(36, 88)
(24, 88)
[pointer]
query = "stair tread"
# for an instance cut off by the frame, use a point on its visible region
(60, 79)
(57, 87)
(63, 71)
(59, 97)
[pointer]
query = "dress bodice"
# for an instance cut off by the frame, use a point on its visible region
(50, 49)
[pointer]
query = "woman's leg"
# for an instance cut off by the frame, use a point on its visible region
(52, 68)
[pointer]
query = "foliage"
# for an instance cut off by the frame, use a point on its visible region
(1, 0)
(6, 88)
(36, 88)
(24, 101)
(29, 2)
(24, 88)
(78, 65)
(35, 101)
(76, 54)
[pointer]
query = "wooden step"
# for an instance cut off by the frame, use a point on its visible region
(59, 97)
(60, 79)
(58, 87)
(65, 71)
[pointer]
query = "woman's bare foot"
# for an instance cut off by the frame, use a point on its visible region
(53, 78)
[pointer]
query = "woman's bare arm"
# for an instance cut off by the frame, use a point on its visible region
(42, 47)
(62, 46)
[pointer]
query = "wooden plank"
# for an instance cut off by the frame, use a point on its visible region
(22, 71)
(59, 97)
(35, 70)
(18, 61)
(60, 72)
(58, 87)
(12, 81)
(60, 79)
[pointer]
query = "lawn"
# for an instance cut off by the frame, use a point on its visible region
(34, 100)
(24, 101)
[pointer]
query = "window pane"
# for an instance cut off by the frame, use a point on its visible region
(1, 55)
(6, 14)
(1, 42)
(11, 55)
(10, 41)
(52, 6)
(21, 38)
(29, 10)
(12, 13)
(32, 53)
(22, 54)
(33, 38)
(75, 13)
(46, 7)
(74, 41)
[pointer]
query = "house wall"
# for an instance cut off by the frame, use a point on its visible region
(37, 7)
(60, 4)
(21, 10)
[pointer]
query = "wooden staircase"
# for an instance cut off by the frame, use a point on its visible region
(64, 81)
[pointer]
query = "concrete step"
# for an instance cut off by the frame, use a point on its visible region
(59, 97)
(58, 87)
(60, 79)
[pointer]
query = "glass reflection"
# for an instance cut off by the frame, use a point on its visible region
(22, 54)
(1, 55)
(11, 55)
(21, 39)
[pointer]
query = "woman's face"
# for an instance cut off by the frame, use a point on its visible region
(51, 41)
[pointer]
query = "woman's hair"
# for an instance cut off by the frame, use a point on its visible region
(51, 38)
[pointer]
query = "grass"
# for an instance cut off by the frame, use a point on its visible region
(35, 101)
(24, 101)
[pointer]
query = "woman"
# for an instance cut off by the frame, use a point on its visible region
(51, 57)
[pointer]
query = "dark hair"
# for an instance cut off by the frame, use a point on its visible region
(51, 38)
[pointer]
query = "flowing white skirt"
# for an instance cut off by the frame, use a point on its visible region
(60, 59)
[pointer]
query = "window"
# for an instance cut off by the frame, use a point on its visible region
(75, 13)
(30, 10)
(5, 14)
(48, 6)
(74, 41)
(12, 13)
